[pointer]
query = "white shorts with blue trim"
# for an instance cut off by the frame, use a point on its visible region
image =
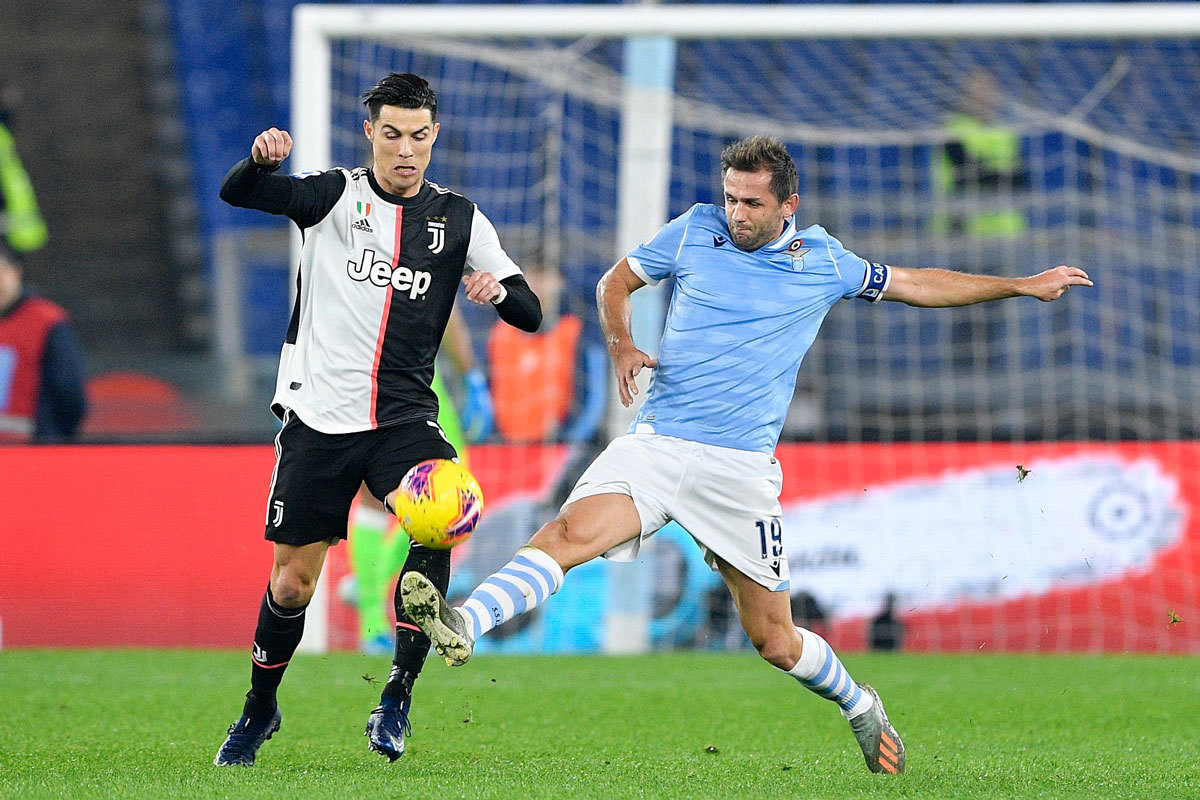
(727, 499)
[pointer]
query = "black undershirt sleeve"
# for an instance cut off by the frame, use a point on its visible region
(520, 307)
(305, 201)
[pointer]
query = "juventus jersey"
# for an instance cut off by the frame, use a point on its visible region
(378, 277)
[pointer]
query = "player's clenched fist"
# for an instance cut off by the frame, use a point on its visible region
(628, 361)
(482, 287)
(271, 147)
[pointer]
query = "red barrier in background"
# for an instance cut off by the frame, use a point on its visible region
(131, 545)
(1155, 609)
(162, 546)
(159, 545)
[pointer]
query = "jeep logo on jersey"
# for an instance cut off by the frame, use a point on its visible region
(438, 231)
(381, 273)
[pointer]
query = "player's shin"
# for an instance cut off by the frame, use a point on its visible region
(412, 646)
(519, 586)
(820, 670)
(276, 638)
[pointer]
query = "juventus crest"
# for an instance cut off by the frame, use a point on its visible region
(438, 231)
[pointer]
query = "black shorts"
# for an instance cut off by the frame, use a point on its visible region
(318, 474)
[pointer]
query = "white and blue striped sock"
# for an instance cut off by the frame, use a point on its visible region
(521, 585)
(820, 670)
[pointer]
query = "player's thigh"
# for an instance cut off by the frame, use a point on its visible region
(729, 503)
(589, 528)
(316, 477)
(398, 448)
(641, 473)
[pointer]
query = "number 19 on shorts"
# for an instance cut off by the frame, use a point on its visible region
(773, 531)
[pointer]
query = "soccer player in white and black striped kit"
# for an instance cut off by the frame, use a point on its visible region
(384, 252)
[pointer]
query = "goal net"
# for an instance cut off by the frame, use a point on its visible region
(1013, 475)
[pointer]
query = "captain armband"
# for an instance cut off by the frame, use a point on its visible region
(876, 282)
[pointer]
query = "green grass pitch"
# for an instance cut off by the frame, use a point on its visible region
(110, 724)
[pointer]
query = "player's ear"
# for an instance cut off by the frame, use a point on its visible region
(437, 126)
(790, 205)
(369, 130)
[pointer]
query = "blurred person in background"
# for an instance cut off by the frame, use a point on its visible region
(41, 362)
(886, 631)
(21, 224)
(981, 166)
(377, 545)
(534, 375)
(979, 175)
(384, 253)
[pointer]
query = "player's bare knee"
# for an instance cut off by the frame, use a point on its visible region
(559, 540)
(776, 647)
(549, 535)
(552, 536)
(292, 589)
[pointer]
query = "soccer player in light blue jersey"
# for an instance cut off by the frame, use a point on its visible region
(751, 290)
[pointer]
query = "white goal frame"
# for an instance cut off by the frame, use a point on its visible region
(314, 26)
(646, 121)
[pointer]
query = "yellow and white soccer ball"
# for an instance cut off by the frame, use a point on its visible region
(438, 503)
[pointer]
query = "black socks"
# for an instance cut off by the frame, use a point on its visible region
(275, 640)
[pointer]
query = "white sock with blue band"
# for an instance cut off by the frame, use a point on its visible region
(820, 670)
(521, 585)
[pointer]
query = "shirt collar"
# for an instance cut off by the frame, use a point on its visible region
(396, 199)
(785, 238)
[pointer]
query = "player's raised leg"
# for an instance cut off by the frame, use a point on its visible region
(766, 617)
(583, 530)
(276, 636)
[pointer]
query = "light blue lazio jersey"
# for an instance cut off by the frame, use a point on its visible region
(739, 324)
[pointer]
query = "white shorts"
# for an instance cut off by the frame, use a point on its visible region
(727, 499)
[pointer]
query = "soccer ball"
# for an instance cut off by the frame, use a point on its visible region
(438, 503)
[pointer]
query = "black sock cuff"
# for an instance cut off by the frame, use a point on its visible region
(281, 612)
(260, 704)
(400, 684)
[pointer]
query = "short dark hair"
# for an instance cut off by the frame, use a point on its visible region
(401, 89)
(759, 153)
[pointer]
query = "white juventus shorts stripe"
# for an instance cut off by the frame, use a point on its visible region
(727, 499)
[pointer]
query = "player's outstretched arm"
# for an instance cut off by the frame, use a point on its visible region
(937, 288)
(616, 310)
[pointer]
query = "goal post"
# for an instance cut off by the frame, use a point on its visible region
(580, 129)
